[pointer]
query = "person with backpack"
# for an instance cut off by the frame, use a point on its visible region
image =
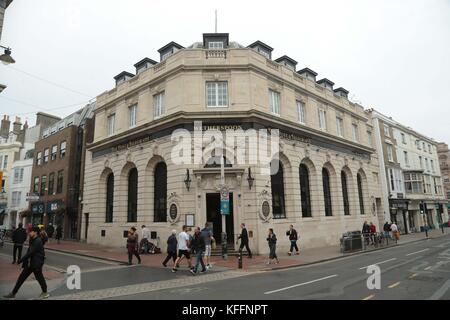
(133, 245)
(272, 241)
(208, 236)
(293, 237)
(32, 262)
(19, 236)
(171, 248)
(387, 230)
(198, 247)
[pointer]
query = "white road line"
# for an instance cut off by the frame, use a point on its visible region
(377, 263)
(410, 254)
(300, 284)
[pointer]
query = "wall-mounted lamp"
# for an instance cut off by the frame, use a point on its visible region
(187, 180)
(250, 179)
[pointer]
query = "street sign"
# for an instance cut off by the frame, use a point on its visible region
(224, 201)
(32, 197)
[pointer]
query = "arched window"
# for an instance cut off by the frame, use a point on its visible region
(345, 193)
(132, 195)
(109, 197)
(160, 192)
(277, 182)
(327, 192)
(360, 193)
(304, 191)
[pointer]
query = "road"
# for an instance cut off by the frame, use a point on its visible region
(419, 270)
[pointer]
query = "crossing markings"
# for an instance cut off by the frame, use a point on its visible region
(394, 285)
(369, 297)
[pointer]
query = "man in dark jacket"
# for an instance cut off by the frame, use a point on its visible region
(50, 230)
(33, 262)
(366, 232)
(171, 248)
(19, 236)
(244, 240)
(293, 237)
(198, 247)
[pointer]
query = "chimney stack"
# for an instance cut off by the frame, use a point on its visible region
(4, 128)
(17, 125)
(25, 125)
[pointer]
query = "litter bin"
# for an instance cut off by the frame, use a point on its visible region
(351, 241)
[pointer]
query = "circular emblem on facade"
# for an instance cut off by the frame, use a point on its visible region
(173, 211)
(265, 209)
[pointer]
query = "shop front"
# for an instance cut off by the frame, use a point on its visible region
(37, 213)
(400, 215)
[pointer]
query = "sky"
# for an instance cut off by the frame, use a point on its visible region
(393, 55)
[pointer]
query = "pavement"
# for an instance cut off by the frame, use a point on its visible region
(321, 273)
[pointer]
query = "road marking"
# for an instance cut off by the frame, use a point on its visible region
(410, 254)
(300, 284)
(369, 297)
(441, 291)
(427, 268)
(394, 285)
(377, 263)
(413, 276)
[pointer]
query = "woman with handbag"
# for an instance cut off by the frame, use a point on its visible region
(133, 245)
(272, 241)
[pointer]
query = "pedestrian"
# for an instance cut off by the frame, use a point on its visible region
(143, 246)
(244, 240)
(133, 245)
(183, 249)
(171, 248)
(387, 230)
(58, 233)
(43, 235)
(293, 237)
(32, 262)
(366, 232)
(198, 247)
(272, 241)
(50, 230)
(208, 236)
(394, 230)
(19, 236)
(372, 230)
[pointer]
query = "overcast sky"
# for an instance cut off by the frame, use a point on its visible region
(392, 55)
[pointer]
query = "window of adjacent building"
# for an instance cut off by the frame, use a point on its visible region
(217, 94)
(132, 116)
(36, 185)
(427, 166)
(360, 193)
(420, 162)
(386, 131)
(39, 158)
(322, 119)
(277, 187)
(109, 198)
(18, 175)
(264, 52)
(160, 193)
(427, 184)
(345, 193)
(46, 154)
(390, 152)
(215, 45)
(1, 160)
(43, 185)
(274, 102)
(403, 138)
(5, 161)
(305, 191)
(418, 144)
(51, 183)
(54, 152)
(62, 149)
(132, 195)
(15, 201)
(369, 138)
(158, 105)
(429, 148)
(301, 111)
(405, 155)
(111, 124)
(423, 145)
(413, 183)
(327, 192)
(340, 127)
(355, 135)
(60, 181)
(392, 179)
(432, 165)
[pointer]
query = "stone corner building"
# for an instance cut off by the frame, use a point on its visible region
(328, 181)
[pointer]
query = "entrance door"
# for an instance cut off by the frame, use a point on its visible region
(86, 225)
(214, 218)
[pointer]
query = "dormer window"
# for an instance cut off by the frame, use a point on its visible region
(327, 84)
(341, 92)
(144, 64)
(169, 49)
(122, 77)
(215, 41)
(215, 45)
(262, 49)
(308, 74)
(287, 62)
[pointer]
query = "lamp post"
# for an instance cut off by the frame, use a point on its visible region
(187, 180)
(6, 58)
(250, 179)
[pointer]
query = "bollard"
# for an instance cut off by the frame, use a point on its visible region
(224, 246)
(240, 260)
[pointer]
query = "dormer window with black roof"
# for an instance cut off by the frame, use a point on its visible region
(341, 92)
(288, 62)
(215, 41)
(144, 64)
(262, 48)
(308, 74)
(122, 77)
(326, 83)
(169, 49)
